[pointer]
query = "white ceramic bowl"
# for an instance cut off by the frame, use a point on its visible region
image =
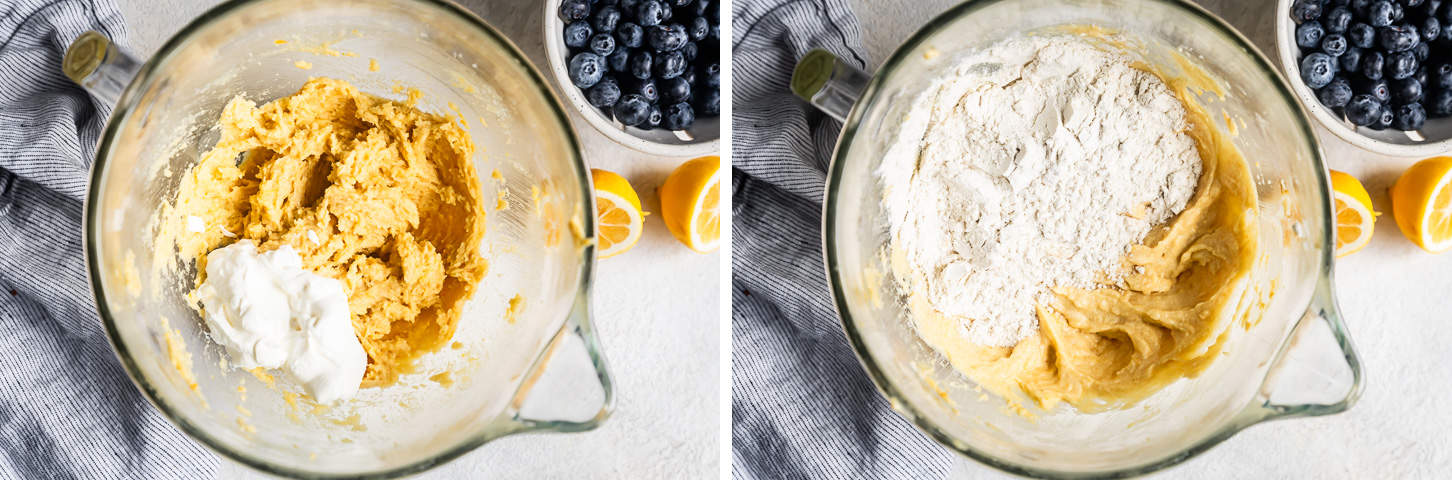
(1435, 138)
(703, 138)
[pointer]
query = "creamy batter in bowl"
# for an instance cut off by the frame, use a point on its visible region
(1284, 302)
(485, 379)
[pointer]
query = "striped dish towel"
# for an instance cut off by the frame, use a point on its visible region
(801, 405)
(67, 409)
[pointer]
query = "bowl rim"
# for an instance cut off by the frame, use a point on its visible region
(552, 28)
(1251, 414)
(126, 106)
(1289, 54)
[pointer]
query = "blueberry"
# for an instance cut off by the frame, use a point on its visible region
(586, 69)
(629, 5)
(675, 90)
(716, 32)
(1422, 51)
(669, 65)
(1351, 60)
(1337, 20)
(1361, 35)
(1384, 118)
(1431, 28)
(577, 34)
(654, 117)
(646, 89)
(1309, 34)
(1372, 64)
(699, 8)
(666, 38)
(1360, 7)
(1421, 76)
(1441, 76)
(699, 29)
(1397, 38)
(603, 44)
(1401, 65)
(708, 104)
(1335, 94)
(1378, 89)
(1439, 105)
(690, 77)
(649, 13)
(1334, 44)
(1380, 13)
(711, 74)
(1398, 13)
(574, 10)
(603, 94)
(1410, 3)
(1305, 10)
(678, 116)
(1406, 90)
(667, 14)
(689, 51)
(640, 63)
(632, 110)
(1363, 110)
(630, 35)
(606, 19)
(619, 61)
(682, 3)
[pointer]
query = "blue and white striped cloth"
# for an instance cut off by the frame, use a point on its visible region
(802, 407)
(67, 409)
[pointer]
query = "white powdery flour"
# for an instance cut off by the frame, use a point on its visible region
(1036, 163)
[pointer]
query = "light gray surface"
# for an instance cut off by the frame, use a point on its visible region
(1393, 295)
(656, 309)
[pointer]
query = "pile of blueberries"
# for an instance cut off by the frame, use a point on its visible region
(1381, 63)
(650, 63)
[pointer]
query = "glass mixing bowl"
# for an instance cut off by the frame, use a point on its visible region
(1288, 355)
(492, 380)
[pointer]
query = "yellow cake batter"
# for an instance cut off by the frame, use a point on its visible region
(375, 193)
(1106, 347)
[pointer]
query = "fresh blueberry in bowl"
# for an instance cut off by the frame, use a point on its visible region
(1398, 38)
(577, 34)
(1407, 90)
(602, 44)
(630, 35)
(1309, 34)
(678, 116)
(574, 10)
(586, 69)
(667, 38)
(604, 94)
(1409, 117)
(1317, 69)
(1363, 110)
(632, 110)
(1401, 65)
(1335, 94)
(669, 65)
(606, 19)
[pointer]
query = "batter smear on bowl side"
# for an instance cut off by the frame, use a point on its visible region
(372, 193)
(1065, 225)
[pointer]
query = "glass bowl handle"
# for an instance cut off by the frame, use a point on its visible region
(828, 83)
(569, 388)
(1317, 371)
(99, 66)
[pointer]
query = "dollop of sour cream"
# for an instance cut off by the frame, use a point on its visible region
(267, 311)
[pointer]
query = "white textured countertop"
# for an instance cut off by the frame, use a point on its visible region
(1395, 299)
(656, 307)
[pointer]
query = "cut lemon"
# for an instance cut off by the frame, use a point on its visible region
(690, 203)
(619, 220)
(1355, 219)
(1422, 204)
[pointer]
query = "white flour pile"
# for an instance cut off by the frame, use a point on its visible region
(1037, 163)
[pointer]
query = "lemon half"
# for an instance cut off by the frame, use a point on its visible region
(690, 203)
(619, 221)
(1355, 218)
(1422, 204)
